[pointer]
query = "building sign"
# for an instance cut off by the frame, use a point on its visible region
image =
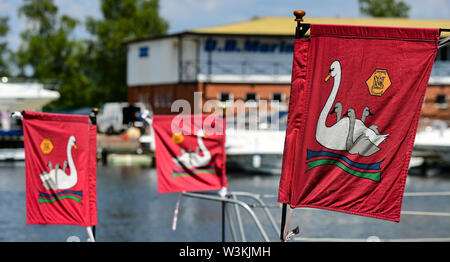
(243, 59)
(255, 46)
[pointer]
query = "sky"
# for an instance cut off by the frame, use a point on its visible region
(192, 14)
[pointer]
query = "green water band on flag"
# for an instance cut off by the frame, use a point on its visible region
(44, 200)
(320, 162)
(196, 172)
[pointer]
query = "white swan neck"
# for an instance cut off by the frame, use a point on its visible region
(330, 100)
(202, 145)
(72, 168)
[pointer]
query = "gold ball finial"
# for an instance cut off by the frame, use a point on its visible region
(299, 14)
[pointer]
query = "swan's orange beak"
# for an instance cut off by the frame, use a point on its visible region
(327, 77)
(75, 146)
(204, 136)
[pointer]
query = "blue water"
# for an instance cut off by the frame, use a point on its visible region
(130, 209)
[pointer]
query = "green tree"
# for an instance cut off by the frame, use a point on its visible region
(4, 51)
(383, 8)
(51, 54)
(122, 20)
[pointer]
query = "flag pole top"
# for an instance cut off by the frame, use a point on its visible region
(93, 116)
(224, 111)
(299, 14)
(301, 28)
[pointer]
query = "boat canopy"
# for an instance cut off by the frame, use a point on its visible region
(25, 96)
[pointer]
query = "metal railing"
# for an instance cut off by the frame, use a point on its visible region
(232, 198)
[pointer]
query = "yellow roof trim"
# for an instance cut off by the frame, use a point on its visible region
(286, 25)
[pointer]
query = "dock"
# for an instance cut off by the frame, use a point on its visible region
(121, 150)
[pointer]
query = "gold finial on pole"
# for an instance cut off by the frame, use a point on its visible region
(301, 28)
(224, 111)
(93, 115)
(299, 14)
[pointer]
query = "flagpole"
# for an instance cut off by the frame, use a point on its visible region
(301, 29)
(300, 32)
(91, 233)
(93, 119)
(223, 202)
(283, 221)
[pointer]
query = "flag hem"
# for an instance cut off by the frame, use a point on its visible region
(366, 214)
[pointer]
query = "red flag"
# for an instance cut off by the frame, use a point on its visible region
(189, 152)
(60, 168)
(355, 102)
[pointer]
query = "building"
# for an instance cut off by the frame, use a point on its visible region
(249, 61)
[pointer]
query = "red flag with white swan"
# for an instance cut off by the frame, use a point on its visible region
(60, 168)
(356, 96)
(189, 152)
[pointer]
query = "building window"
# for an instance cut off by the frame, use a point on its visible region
(143, 51)
(441, 101)
(144, 99)
(164, 100)
(278, 97)
(251, 97)
(169, 100)
(156, 100)
(224, 97)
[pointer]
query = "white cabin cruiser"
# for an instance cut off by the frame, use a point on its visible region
(434, 140)
(25, 96)
(258, 149)
(19, 97)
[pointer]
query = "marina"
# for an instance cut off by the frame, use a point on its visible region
(130, 210)
(211, 134)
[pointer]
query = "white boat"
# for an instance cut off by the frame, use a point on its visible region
(255, 150)
(12, 154)
(25, 96)
(19, 97)
(434, 141)
(258, 150)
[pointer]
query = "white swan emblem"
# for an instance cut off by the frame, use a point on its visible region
(57, 178)
(364, 141)
(346, 129)
(190, 159)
